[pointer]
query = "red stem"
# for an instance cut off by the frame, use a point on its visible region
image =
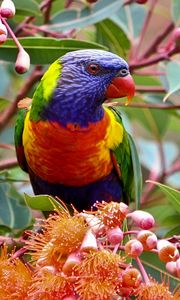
(143, 271)
(11, 33)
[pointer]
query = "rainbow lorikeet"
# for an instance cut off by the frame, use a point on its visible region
(71, 143)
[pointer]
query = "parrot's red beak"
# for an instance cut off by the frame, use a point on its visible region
(121, 87)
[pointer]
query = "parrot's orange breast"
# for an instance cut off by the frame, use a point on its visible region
(71, 155)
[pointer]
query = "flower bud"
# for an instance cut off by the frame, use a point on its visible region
(124, 209)
(142, 219)
(73, 297)
(141, 1)
(22, 62)
(94, 223)
(72, 261)
(3, 33)
(48, 269)
(114, 235)
(91, 1)
(131, 278)
(133, 248)
(176, 35)
(124, 291)
(7, 9)
(167, 251)
(171, 268)
(148, 239)
(178, 267)
(89, 242)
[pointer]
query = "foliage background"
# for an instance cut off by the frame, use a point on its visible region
(139, 33)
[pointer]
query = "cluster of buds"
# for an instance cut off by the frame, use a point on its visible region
(89, 255)
(7, 10)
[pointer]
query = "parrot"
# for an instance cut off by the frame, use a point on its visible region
(72, 144)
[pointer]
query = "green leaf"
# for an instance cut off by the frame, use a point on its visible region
(137, 172)
(172, 76)
(42, 202)
(12, 213)
(130, 18)
(28, 8)
(154, 120)
(175, 9)
(111, 35)
(44, 50)
(70, 19)
(172, 194)
(173, 231)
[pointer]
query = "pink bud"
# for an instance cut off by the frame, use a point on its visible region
(89, 242)
(3, 33)
(167, 251)
(48, 269)
(148, 239)
(124, 209)
(171, 268)
(72, 261)
(8, 9)
(114, 235)
(94, 223)
(22, 62)
(142, 219)
(176, 34)
(133, 248)
(178, 267)
(73, 297)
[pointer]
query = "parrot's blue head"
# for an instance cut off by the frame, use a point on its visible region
(88, 78)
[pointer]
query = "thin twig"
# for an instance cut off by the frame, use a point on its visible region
(149, 73)
(7, 146)
(151, 89)
(143, 105)
(20, 27)
(8, 163)
(11, 33)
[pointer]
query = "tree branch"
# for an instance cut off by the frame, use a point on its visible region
(7, 114)
(151, 89)
(8, 163)
(145, 26)
(151, 61)
(159, 38)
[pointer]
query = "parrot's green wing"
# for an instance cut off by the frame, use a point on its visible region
(127, 158)
(18, 139)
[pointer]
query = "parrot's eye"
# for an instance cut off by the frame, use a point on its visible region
(123, 72)
(93, 69)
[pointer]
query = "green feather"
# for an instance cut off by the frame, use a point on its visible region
(127, 158)
(18, 139)
(45, 90)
